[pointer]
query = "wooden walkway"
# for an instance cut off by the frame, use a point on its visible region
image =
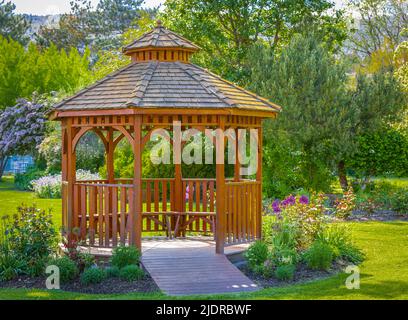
(186, 267)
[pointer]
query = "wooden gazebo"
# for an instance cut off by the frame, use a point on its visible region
(160, 86)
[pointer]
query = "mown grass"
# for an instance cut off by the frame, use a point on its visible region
(384, 274)
(11, 198)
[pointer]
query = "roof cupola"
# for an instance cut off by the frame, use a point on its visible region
(160, 44)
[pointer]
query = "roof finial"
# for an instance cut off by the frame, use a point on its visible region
(159, 23)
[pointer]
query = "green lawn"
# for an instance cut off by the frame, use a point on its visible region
(10, 199)
(384, 274)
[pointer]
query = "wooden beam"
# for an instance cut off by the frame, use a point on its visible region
(166, 111)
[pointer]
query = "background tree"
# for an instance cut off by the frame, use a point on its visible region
(379, 31)
(99, 28)
(114, 59)
(24, 71)
(382, 104)
(22, 128)
(317, 118)
(227, 29)
(13, 25)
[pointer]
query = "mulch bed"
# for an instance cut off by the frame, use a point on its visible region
(108, 286)
(380, 215)
(302, 274)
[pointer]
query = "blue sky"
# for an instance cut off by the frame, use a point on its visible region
(43, 7)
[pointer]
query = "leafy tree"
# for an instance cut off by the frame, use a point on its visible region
(24, 71)
(317, 118)
(114, 59)
(382, 152)
(401, 63)
(22, 128)
(227, 29)
(12, 56)
(12, 25)
(100, 28)
(379, 21)
(382, 103)
(74, 29)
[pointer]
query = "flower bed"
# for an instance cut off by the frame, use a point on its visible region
(300, 241)
(28, 245)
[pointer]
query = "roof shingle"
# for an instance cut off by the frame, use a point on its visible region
(160, 37)
(155, 84)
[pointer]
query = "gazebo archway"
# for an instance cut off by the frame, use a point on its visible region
(161, 89)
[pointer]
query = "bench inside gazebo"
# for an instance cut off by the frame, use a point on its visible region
(159, 89)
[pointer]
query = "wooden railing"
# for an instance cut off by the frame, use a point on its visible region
(199, 205)
(242, 209)
(101, 210)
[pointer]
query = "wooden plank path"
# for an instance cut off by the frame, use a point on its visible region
(186, 267)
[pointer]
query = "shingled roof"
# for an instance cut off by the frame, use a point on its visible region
(171, 83)
(160, 37)
(155, 84)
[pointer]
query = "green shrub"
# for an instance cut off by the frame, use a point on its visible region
(389, 196)
(93, 275)
(338, 237)
(85, 260)
(283, 256)
(123, 256)
(352, 254)
(112, 272)
(31, 237)
(131, 273)
(68, 268)
(257, 254)
(10, 265)
(319, 256)
(285, 272)
(22, 181)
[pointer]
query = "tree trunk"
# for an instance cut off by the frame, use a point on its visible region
(341, 167)
(3, 162)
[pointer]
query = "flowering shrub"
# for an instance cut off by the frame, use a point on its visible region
(344, 206)
(50, 186)
(298, 221)
(22, 128)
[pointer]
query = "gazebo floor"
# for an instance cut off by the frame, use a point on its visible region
(187, 266)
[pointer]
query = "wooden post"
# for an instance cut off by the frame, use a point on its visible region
(64, 172)
(136, 227)
(259, 179)
(71, 178)
(178, 176)
(220, 188)
(111, 180)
